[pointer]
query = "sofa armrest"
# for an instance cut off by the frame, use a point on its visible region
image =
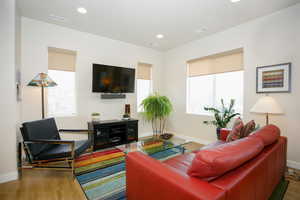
(149, 179)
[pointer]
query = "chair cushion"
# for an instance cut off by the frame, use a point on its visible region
(210, 163)
(268, 134)
(63, 150)
(39, 130)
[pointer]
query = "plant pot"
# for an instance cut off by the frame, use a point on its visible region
(218, 131)
(96, 118)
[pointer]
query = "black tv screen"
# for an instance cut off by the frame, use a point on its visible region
(111, 79)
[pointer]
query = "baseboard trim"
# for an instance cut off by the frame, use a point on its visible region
(145, 134)
(293, 164)
(11, 176)
(193, 139)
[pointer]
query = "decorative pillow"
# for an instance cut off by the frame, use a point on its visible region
(211, 163)
(248, 128)
(235, 133)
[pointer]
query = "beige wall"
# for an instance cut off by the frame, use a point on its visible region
(269, 40)
(37, 36)
(8, 104)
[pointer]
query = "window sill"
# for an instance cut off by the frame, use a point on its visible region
(63, 116)
(200, 114)
(209, 115)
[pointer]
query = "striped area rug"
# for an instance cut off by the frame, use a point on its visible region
(102, 173)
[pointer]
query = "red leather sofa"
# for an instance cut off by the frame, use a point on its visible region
(255, 179)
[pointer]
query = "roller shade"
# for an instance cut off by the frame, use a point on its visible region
(144, 71)
(218, 63)
(61, 59)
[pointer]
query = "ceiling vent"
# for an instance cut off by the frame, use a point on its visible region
(57, 18)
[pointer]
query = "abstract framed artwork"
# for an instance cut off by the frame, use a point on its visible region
(273, 78)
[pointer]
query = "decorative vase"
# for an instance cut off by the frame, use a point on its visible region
(126, 115)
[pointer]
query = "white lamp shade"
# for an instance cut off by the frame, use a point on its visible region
(268, 105)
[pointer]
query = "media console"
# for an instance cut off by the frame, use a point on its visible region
(109, 133)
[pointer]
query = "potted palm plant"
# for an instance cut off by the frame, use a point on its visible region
(156, 109)
(222, 116)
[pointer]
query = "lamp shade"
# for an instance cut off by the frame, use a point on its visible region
(42, 80)
(267, 105)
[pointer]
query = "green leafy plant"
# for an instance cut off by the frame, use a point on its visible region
(95, 114)
(222, 115)
(156, 109)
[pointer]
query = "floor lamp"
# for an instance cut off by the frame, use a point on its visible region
(42, 80)
(266, 105)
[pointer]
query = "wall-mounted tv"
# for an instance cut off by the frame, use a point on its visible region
(112, 79)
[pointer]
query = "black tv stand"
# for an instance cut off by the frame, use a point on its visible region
(111, 133)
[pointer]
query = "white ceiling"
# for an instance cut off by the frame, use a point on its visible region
(138, 21)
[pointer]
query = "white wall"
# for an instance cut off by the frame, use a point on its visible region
(269, 40)
(37, 36)
(8, 104)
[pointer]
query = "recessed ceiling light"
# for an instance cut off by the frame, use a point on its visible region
(82, 10)
(234, 1)
(160, 36)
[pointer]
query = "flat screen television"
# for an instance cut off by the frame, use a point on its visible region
(112, 79)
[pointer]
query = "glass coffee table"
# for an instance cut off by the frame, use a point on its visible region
(157, 148)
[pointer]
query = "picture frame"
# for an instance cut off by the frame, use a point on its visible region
(274, 78)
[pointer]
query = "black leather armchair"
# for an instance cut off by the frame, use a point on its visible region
(44, 147)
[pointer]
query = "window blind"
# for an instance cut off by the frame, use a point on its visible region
(218, 63)
(144, 71)
(61, 59)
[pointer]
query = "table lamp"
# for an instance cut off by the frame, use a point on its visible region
(42, 80)
(266, 105)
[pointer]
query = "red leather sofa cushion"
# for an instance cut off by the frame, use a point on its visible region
(181, 163)
(148, 179)
(211, 163)
(268, 134)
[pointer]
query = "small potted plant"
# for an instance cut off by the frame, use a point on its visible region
(222, 116)
(95, 117)
(156, 109)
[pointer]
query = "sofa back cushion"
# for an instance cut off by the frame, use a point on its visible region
(268, 134)
(212, 163)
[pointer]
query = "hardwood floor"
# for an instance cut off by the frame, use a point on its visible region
(293, 191)
(42, 185)
(60, 185)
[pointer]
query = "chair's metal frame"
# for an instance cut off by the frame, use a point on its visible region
(51, 163)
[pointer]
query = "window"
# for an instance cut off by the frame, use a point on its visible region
(211, 79)
(144, 83)
(61, 68)
(61, 99)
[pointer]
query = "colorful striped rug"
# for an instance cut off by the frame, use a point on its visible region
(102, 173)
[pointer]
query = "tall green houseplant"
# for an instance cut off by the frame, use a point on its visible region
(156, 109)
